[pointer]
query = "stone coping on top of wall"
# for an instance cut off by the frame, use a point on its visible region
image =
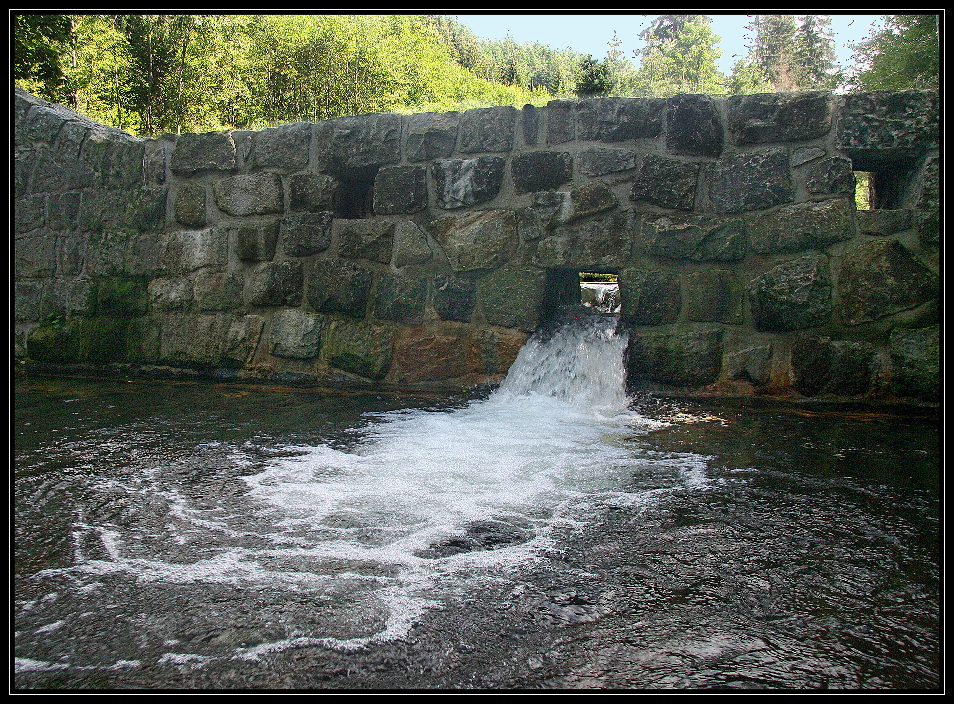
(410, 250)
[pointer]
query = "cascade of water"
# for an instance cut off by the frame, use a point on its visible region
(581, 363)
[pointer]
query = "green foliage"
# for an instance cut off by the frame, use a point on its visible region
(787, 53)
(862, 190)
(594, 78)
(679, 57)
(149, 74)
(37, 43)
(904, 54)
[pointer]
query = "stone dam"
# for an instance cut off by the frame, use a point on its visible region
(421, 251)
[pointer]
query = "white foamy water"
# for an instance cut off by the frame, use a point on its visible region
(425, 502)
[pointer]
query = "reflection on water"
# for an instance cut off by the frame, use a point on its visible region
(216, 536)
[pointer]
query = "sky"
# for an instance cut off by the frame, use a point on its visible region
(590, 34)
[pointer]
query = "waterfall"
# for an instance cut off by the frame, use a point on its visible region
(581, 362)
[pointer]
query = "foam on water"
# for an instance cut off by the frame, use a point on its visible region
(425, 497)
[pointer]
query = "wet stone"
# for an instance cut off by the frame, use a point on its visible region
(795, 294)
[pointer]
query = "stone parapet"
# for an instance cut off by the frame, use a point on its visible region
(406, 250)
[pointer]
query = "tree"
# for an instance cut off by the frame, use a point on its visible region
(773, 51)
(38, 43)
(787, 53)
(904, 54)
(594, 78)
(814, 53)
(679, 57)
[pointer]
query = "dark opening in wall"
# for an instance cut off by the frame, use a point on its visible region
(357, 193)
(881, 179)
(570, 292)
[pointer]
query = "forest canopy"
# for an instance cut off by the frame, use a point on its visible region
(150, 74)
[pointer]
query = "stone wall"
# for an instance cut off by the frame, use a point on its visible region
(412, 250)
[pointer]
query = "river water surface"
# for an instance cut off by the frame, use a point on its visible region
(551, 534)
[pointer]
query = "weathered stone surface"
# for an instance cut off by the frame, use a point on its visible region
(675, 237)
(256, 242)
(400, 189)
(410, 245)
(666, 182)
(583, 200)
(249, 194)
(422, 357)
(170, 293)
(274, 284)
(241, 340)
(649, 296)
(284, 147)
(188, 250)
(296, 334)
(882, 277)
(539, 171)
(899, 121)
(751, 181)
(820, 365)
(915, 362)
(190, 339)
(602, 242)
(360, 348)
(304, 234)
(118, 297)
(365, 239)
(927, 201)
(454, 297)
(619, 119)
(695, 127)
(561, 121)
(488, 129)
(803, 155)
(358, 143)
(400, 298)
(217, 290)
(154, 162)
(831, 176)
(884, 222)
(795, 228)
(35, 254)
(339, 287)
(189, 205)
(431, 135)
(129, 210)
(779, 117)
(792, 295)
(605, 160)
(460, 183)
(29, 213)
(530, 119)
(479, 240)
(314, 192)
(208, 151)
(565, 207)
(677, 358)
(512, 297)
(725, 242)
(712, 296)
(494, 350)
(752, 363)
